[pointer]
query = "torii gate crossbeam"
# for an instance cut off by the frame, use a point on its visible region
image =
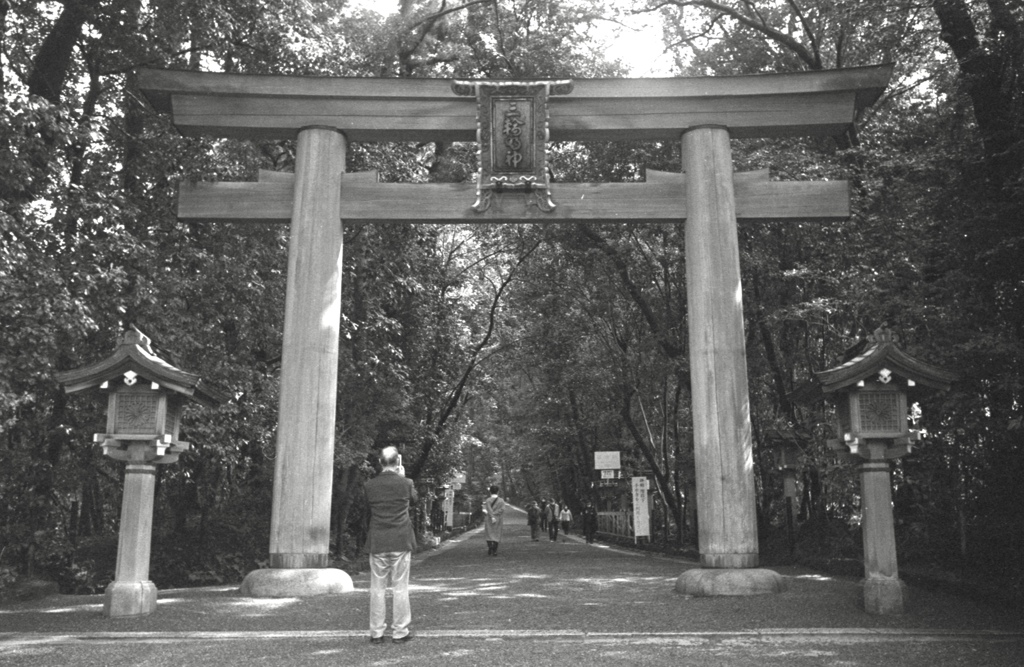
(703, 113)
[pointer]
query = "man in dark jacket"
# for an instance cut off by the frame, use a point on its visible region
(590, 522)
(391, 543)
(533, 519)
(552, 512)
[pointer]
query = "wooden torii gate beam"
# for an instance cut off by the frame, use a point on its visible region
(703, 113)
(369, 109)
(662, 198)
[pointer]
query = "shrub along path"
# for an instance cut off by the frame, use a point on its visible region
(536, 603)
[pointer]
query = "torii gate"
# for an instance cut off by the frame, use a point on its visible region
(326, 113)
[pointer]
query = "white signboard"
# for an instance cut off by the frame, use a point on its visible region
(449, 507)
(606, 461)
(641, 514)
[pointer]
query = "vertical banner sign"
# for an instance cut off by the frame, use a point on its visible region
(641, 514)
(449, 508)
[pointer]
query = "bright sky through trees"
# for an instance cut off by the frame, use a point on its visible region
(636, 40)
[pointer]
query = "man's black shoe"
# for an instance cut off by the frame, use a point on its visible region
(376, 640)
(401, 640)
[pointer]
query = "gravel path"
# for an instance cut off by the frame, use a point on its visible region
(536, 603)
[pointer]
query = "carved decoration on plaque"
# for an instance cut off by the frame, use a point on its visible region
(512, 136)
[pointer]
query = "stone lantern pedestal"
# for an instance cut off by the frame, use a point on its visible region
(144, 402)
(883, 590)
(132, 593)
(788, 454)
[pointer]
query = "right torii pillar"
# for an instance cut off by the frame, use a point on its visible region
(723, 451)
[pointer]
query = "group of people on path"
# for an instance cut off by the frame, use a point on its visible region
(548, 515)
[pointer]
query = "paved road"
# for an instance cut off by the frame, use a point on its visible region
(536, 603)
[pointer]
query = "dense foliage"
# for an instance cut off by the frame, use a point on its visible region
(508, 352)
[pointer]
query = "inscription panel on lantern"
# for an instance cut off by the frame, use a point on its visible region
(879, 411)
(880, 414)
(136, 413)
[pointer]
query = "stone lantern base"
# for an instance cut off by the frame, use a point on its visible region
(129, 598)
(709, 582)
(297, 582)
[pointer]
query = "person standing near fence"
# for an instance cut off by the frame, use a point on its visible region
(589, 522)
(552, 520)
(390, 495)
(494, 510)
(437, 516)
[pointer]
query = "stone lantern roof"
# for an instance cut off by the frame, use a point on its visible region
(134, 358)
(883, 358)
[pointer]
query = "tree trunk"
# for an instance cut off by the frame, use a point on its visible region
(5, 6)
(53, 60)
(990, 73)
(341, 512)
(660, 478)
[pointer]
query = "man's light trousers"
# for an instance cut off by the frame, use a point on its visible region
(390, 570)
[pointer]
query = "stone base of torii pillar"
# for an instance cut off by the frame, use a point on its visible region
(299, 582)
(707, 582)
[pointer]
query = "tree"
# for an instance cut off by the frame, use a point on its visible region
(990, 61)
(933, 164)
(91, 245)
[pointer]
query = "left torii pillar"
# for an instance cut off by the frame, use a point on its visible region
(304, 464)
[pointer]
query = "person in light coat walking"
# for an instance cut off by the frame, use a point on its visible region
(494, 511)
(565, 518)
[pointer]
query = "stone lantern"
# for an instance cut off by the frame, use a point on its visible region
(871, 392)
(787, 452)
(145, 396)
